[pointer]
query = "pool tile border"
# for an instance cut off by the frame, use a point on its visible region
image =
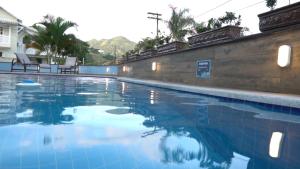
(284, 100)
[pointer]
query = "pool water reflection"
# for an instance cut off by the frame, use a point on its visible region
(95, 123)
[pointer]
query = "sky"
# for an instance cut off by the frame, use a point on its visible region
(98, 19)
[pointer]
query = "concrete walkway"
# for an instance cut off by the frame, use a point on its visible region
(253, 96)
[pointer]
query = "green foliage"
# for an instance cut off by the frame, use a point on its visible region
(214, 24)
(147, 44)
(94, 57)
(59, 61)
(40, 40)
(180, 24)
(51, 37)
(39, 60)
(108, 56)
(167, 39)
(56, 31)
(76, 48)
(201, 27)
(228, 19)
(160, 40)
(27, 39)
(271, 4)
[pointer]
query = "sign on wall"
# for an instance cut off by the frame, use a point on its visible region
(203, 69)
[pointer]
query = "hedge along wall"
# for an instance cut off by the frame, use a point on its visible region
(248, 63)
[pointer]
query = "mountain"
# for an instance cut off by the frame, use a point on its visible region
(118, 44)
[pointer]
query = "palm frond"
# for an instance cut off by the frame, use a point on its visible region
(180, 24)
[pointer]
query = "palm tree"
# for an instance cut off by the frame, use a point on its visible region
(51, 36)
(56, 29)
(40, 41)
(180, 24)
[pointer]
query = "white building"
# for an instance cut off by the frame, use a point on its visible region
(12, 33)
(9, 25)
(21, 47)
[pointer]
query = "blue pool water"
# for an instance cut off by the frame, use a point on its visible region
(98, 123)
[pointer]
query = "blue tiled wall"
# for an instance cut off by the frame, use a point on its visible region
(5, 66)
(109, 70)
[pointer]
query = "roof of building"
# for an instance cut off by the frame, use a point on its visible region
(8, 21)
(27, 29)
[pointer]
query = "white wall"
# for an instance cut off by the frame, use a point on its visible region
(8, 52)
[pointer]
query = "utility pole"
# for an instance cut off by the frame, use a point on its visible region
(115, 53)
(155, 16)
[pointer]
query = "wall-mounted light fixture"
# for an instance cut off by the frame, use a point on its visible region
(284, 55)
(275, 144)
(154, 66)
(124, 68)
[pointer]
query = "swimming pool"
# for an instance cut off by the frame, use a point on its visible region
(100, 123)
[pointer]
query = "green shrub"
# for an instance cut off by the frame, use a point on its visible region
(271, 4)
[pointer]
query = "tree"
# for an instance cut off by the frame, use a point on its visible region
(180, 24)
(230, 19)
(40, 41)
(56, 29)
(51, 36)
(271, 4)
(214, 24)
(146, 44)
(76, 48)
(201, 27)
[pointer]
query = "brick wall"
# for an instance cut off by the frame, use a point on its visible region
(249, 63)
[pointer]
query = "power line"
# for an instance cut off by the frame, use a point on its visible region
(218, 6)
(157, 18)
(249, 6)
(241, 9)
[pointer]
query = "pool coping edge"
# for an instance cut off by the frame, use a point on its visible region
(285, 100)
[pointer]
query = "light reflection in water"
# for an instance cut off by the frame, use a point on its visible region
(153, 96)
(275, 144)
(123, 87)
(106, 86)
(189, 131)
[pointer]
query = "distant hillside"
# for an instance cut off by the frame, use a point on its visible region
(119, 43)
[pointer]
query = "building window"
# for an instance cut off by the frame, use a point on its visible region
(0, 54)
(1, 30)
